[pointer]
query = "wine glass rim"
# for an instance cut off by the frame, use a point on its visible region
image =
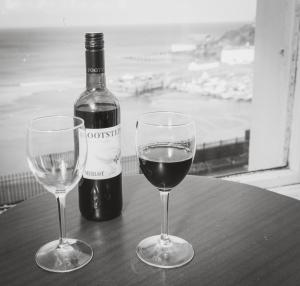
(188, 118)
(36, 119)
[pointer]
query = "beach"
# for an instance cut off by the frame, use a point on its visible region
(42, 73)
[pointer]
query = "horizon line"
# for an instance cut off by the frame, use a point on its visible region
(124, 25)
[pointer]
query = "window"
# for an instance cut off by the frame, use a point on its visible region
(275, 125)
(161, 65)
(186, 56)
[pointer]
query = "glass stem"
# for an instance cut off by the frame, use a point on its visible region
(61, 202)
(164, 197)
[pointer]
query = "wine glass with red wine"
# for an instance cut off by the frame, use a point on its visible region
(165, 144)
(56, 154)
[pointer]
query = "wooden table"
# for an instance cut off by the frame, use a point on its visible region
(242, 235)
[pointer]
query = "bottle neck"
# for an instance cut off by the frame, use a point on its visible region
(95, 70)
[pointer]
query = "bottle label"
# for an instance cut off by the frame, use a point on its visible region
(94, 62)
(104, 153)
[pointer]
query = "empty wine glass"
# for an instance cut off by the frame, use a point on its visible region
(56, 154)
(165, 143)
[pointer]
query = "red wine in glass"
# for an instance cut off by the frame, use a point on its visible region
(165, 165)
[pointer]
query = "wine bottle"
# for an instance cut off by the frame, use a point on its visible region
(100, 188)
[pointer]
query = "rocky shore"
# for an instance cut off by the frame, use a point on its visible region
(219, 68)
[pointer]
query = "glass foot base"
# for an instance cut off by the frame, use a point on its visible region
(154, 252)
(71, 255)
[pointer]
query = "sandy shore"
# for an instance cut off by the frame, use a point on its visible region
(215, 119)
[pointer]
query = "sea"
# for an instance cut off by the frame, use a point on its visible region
(42, 72)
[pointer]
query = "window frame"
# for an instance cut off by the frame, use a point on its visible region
(274, 152)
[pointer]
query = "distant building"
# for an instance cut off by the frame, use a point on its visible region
(237, 55)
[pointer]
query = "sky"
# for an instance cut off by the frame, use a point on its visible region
(40, 13)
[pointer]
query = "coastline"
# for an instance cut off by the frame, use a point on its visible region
(215, 118)
(43, 74)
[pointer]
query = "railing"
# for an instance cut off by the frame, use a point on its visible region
(20, 186)
(211, 158)
(221, 156)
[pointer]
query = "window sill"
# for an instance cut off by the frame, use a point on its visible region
(281, 181)
(268, 179)
(292, 191)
